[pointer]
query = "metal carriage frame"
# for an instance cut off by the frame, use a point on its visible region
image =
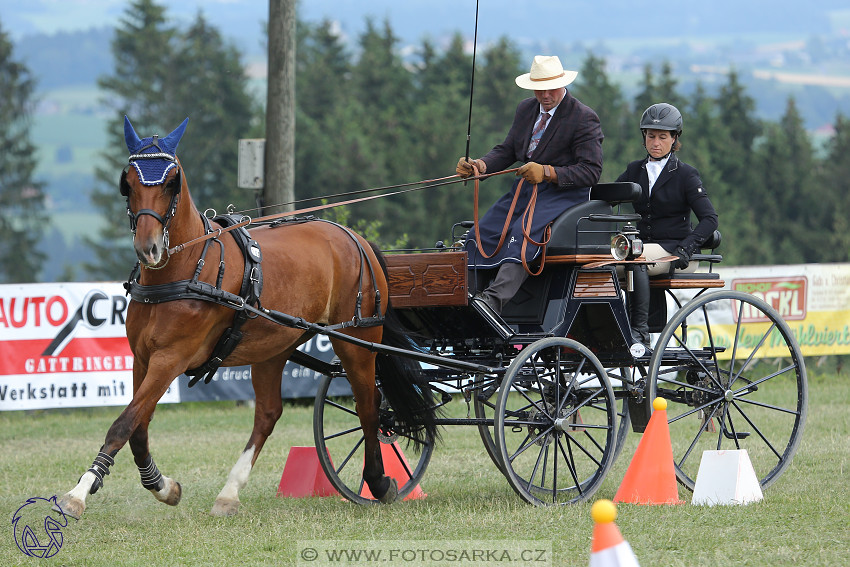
(555, 382)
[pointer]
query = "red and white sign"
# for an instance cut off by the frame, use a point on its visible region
(64, 345)
(785, 294)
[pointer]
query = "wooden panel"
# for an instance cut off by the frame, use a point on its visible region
(595, 284)
(430, 279)
(686, 283)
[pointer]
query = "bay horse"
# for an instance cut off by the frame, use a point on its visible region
(314, 271)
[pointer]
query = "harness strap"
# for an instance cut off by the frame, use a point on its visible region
(358, 320)
(250, 290)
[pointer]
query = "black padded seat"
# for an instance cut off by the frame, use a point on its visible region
(576, 232)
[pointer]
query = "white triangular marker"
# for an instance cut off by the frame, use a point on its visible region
(726, 477)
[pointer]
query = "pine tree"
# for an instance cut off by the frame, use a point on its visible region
(648, 93)
(210, 89)
(22, 216)
(785, 196)
(143, 49)
(620, 128)
(496, 94)
(834, 179)
(704, 132)
(163, 75)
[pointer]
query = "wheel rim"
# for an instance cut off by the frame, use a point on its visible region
(555, 423)
(340, 446)
(484, 399)
(735, 379)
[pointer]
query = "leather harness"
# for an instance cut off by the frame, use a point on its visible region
(247, 303)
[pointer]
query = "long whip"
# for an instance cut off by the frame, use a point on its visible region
(472, 82)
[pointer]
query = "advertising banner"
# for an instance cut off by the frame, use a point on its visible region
(814, 299)
(64, 345)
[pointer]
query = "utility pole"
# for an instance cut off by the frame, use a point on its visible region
(280, 109)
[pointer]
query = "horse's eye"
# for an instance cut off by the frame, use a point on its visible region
(173, 183)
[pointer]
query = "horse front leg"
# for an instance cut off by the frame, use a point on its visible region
(266, 379)
(138, 411)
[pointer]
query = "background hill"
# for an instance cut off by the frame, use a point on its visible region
(778, 49)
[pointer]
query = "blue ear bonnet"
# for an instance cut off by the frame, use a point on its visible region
(153, 157)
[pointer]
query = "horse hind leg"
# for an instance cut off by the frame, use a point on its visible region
(164, 489)
(359, 366)
(266, 379)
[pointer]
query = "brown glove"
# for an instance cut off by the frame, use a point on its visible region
(535, 173)
(464, 166)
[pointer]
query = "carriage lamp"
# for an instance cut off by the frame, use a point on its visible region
(626, 245)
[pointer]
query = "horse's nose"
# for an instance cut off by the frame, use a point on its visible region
(149, 252)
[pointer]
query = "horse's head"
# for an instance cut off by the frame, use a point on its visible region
(152, 183)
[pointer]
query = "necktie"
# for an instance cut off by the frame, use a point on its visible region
(537, 133)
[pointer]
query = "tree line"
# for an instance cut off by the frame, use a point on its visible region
(369, 116)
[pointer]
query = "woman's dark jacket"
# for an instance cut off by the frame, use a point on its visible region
(666, 215)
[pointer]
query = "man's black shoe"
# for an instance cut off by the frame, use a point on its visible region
(482, 299)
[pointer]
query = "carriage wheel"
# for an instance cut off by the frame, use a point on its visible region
(734, 378)
(556, 422)
(340, 446)
(484, 398)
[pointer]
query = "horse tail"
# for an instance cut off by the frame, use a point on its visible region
(402, 381)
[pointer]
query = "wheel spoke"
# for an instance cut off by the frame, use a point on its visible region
(757, 430)
(350, 454)
(341, 433)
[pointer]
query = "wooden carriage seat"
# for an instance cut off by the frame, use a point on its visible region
(698, 279)
(582, 234)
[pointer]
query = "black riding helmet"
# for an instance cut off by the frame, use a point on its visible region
(662, 116)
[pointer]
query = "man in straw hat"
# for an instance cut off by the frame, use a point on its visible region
(559, 141)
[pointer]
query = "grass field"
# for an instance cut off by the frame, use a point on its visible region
(803, 519)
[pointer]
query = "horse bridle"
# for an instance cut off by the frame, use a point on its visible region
(124, 188)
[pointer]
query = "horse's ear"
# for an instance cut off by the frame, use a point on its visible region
(130, 137)
(169, 143)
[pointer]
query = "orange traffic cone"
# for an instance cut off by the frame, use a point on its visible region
(609, 549)
(651, 478)
(395, 466)
(303, 475)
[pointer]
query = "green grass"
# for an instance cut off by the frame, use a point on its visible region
(801, 521)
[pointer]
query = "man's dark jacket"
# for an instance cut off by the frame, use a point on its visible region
(572, 143)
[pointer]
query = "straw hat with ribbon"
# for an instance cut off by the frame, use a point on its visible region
(546, 73)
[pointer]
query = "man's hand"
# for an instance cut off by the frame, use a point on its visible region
(535, 173)
(464, 166)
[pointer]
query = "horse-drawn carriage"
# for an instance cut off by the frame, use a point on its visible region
(554, 382)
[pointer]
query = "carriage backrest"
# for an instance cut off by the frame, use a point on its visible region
(576, 233)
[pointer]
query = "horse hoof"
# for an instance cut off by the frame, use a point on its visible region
(170, 493)
(71, 507)
(224, 508)
(392, 493)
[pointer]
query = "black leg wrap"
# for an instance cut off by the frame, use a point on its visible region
(100, 468)
(151, 477)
